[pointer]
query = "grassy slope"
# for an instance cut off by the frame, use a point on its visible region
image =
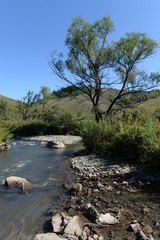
(151, 105)
(82, 105)
(12, 104)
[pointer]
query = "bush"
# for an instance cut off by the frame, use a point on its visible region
(61, 125)
(5, 135)
(135, 139)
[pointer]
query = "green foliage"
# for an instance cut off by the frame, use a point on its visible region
(57, 124)
(135, 139)
(3, 109)
(5, 135)
(25, 106)
(70, 91)
(44, 96)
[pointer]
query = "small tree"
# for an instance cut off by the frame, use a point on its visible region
(45, 96)
(25, 106)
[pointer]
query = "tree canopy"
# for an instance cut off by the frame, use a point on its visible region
(91, 57)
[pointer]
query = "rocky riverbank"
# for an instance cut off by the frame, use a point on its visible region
(108, 202)
(67, 140)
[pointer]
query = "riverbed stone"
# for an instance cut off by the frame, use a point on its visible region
(4, 146)
(74, 227)
(107, 218)
(135, 226)
(77, 188)
(91, 213)
(55, 144)
(48, 236)
(57, 223)
(14, 181)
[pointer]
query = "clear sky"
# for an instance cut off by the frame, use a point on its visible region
(31, 29)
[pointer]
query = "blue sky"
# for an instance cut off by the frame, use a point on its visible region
(31, 29)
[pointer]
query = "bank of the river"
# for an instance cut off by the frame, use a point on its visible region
(108, 202)
(67, 140)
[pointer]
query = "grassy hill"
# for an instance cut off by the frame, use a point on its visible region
(81, 104)
(78, 103)
(12, 105)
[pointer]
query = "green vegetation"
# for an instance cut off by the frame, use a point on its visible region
(69, 91)
(5, 135)
(133, 139)
(130, 136)
(93, 67)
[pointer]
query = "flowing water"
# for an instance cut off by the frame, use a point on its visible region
(24, 215)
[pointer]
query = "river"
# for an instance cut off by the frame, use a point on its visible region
(22, 216)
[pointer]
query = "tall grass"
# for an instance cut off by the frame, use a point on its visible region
(135, 139)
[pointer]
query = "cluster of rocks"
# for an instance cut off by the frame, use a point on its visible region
(106, 202)
(4, 146)
(66, 227)
(113, 198)
(113, 202)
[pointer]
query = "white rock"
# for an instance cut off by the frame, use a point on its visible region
(48, 236)
(57, 223)
(135, 226)
(107, 218)
(14, 181)
(74, 227)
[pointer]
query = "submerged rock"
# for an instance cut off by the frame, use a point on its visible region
(19, 182)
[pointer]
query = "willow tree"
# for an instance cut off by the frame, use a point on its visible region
(89, 58)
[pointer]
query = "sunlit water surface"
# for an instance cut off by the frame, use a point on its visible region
(24, 215)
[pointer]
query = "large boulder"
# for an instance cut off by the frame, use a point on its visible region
(19, 182)
(55, 144)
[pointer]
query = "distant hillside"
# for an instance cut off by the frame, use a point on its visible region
(12, 104)
(74, 102)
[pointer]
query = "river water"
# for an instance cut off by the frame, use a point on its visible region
(22, 216)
